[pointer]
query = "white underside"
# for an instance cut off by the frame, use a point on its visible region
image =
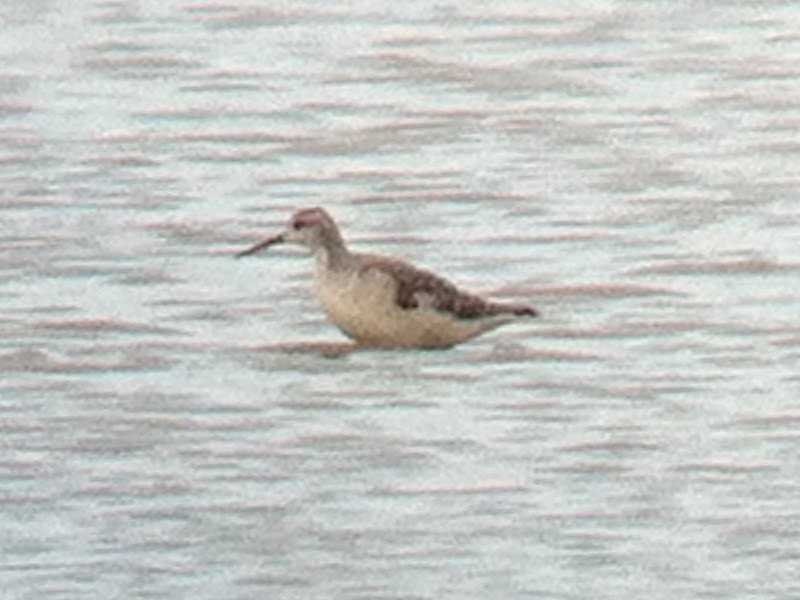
(362, 304)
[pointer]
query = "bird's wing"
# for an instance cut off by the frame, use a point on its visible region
(418, 288)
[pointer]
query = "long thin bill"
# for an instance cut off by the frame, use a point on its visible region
(276, 239)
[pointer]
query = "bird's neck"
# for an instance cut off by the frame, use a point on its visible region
(332, 253)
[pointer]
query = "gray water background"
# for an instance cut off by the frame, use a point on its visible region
(168, 428)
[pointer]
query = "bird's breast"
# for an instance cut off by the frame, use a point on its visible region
(354, 299)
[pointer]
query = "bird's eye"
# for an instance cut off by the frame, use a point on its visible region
(306, 218)
(299, 223)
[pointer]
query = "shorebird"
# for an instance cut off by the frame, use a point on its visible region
(386, 302)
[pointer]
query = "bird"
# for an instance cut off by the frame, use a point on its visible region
(385, 302)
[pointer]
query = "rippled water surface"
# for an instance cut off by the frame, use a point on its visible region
(177, 423)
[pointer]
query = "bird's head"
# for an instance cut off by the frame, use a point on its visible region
(310, 227)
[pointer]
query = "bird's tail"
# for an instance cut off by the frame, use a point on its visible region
(518, 310)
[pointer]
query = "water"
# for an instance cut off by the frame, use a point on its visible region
(170, 427)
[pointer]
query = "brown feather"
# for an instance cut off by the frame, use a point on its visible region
(413, 284)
